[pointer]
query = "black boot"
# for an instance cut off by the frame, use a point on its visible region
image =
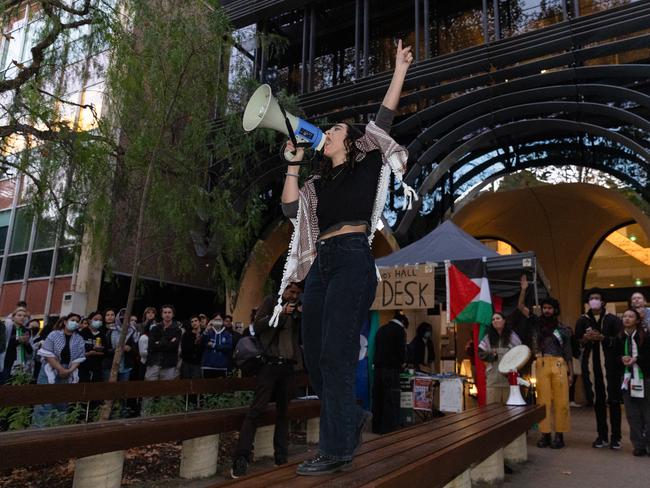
(545, 441)
(558, 442)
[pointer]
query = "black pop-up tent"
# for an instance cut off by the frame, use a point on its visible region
(449, 242)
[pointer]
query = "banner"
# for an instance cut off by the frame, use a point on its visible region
(423, 393)
(406, 288)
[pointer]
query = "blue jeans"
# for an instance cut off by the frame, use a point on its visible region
(339, 290)
(49, 413)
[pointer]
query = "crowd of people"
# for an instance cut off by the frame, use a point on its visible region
(77, 348)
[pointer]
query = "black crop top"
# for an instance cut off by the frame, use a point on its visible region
(348, 197)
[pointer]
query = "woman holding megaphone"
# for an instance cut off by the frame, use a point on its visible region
(335, 214)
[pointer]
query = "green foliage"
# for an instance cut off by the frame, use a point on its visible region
(18, 418)
(226, 400)
(164, 406)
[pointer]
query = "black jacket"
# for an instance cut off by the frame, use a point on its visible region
(390, 346)
(164, 344)
(611, 327)
(283, 340)
(416, 351)
(191, 352)
(643, 345)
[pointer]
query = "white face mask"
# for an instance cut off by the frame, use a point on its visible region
(595, 304)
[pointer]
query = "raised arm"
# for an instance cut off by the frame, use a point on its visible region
(403, 60)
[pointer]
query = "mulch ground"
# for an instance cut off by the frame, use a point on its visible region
(151, 465)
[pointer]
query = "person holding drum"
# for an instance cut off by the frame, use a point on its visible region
(500, 338)
(554, 371)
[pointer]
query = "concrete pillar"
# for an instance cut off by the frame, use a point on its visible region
(264, 441)
(313, 430)
(490, 472)
(463, 480)
(200, 457)
(517, 451)
(99, 471)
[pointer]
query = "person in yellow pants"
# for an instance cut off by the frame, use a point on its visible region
(554, 372)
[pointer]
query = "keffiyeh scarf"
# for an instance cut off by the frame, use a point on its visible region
(52, 347)
(302, 248)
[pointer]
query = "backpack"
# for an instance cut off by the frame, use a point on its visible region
(249, 355)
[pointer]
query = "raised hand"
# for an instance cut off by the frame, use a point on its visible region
(403, 57)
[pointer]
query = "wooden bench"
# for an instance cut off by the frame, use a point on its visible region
(451, 450)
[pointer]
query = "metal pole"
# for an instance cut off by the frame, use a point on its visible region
(486, 33)
(576, 8)
(366, 35)
(565, 10)
(303, 71)
(357, 37)
(417, 30)
(427, 40)
(28, 261)
(264, 56)
(312, 48)
(497, 21)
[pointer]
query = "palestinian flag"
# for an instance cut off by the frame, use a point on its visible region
(468, 292)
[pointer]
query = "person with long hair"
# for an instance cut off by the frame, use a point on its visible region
(633, 352)
(18, 347)
(335, 214)
(500, 338)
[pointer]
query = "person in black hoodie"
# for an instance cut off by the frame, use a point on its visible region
(390, 356)
(192, 350)
(596, 331)
(420, 349)
(633, 353)
(94, 337)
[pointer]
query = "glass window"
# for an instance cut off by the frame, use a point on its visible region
(455, 25)
(389, 21)
(65, 261)
(45, 233)
(621, 261)
(22, 230)
(519, 16)
(592, 6)
(41, 264)
(3, 238)
(15, 267)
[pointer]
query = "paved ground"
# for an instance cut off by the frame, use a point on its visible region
(580, 465)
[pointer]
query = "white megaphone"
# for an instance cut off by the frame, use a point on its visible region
(512, 361)
(263, 110)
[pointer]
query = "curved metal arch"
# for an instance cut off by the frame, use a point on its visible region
(568, 144)
(615, 73)
(544, 94)
(484, 166)
(540, 163)
(527, 110)
(516, 131)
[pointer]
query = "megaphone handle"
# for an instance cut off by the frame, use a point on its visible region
(290, 130)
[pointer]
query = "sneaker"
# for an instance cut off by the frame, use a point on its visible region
(280, 459)
(239, 467)
(558, 442)
(320, 465)
(545, 441)
(615, 444)
(575, 405)
(599, 443)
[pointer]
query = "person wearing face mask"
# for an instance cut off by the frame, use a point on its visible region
(420, 349)
(633, 352)
(596, 332)
(94, 337)
(500, 338)
(554, 372)
(62, 353)
(218, 345)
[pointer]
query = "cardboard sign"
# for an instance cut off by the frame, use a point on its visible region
(405, 288)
